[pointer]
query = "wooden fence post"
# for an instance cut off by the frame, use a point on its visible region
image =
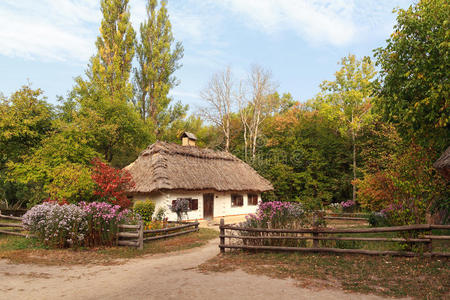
(315, 241)
(222, 233)
(141, 236)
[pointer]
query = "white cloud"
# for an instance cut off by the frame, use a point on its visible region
(51, 30)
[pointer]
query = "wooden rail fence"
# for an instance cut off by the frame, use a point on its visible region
(135, 235)
(317, 234)
(11, 228)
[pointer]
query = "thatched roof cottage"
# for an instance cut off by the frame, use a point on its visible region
(443, 164)
(216, 183)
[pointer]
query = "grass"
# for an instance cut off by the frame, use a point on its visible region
(23, 250)
(422, 278)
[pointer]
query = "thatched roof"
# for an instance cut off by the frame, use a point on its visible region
(167, 166)
(443, 164)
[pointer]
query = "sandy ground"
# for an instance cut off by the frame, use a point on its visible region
(168, 276)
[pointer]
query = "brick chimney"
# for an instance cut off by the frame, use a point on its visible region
(188, 139)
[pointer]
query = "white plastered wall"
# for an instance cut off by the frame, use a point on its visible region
(222, 203)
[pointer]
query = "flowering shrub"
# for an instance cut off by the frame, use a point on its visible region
(278, 215)
(180, 207)
(57, 225)
(348, 205)
(111, 184)
(69, 225)
(335, 207)
(102, 219)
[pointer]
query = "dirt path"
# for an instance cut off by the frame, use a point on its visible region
(168, 276)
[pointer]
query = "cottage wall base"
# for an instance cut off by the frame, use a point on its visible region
(222, 204)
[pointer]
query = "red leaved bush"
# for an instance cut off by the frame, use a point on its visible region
(111, 184)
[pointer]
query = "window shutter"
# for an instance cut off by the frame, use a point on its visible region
(193, 203)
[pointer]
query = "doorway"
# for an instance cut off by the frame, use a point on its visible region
(208, 206)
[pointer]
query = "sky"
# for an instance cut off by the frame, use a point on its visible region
(49, 42)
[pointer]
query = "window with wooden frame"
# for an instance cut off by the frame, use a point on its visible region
(252, 199)
(237, 200)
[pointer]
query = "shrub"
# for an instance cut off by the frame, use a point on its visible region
(160, 214)
(102, 219)
(111, 184)
(378, 219)
(57, 225)
(145, 209)
(180, 207)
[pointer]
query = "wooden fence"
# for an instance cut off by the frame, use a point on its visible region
(11, 228)
(318, 234)
(135, 235)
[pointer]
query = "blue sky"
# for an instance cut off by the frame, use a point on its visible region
(49, 42)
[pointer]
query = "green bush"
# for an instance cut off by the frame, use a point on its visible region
(377, 219)
(145, 209)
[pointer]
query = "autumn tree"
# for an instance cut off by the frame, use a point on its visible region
(347, 100)
(414, 93)
(158, 58)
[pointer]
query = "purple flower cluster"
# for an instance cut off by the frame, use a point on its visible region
(348, 203)
(276, 214)
(104, 211)
(57, 225)
(74, 225)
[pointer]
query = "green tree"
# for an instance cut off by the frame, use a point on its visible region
(110, 67)
(415, 83)
(25, 121)
(158, 58)
(347, 100)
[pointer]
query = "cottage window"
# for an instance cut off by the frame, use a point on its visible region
(237, 200)
(252, 199)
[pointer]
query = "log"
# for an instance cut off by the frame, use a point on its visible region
(336, 250)
(152, 238)
(346, 218)
(15, 233)
(439, 226)
(335, 230)
(222, 235)
(171, 228)
(11, 225)
(10, 217)
(128, 226)
(128, 243)
(128, 234)
(437, 237)
(424, 240)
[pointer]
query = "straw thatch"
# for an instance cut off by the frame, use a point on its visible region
(443, 164)
(166, 166)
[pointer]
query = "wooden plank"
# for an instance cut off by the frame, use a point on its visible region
(437, 237)
(11, 225)
(141, 236)
(171, 228)
(346, 218)
(335, 230)
(152, 238)
(129, 234)
(15, 233)
(10, 217)
(128, 243)
(424, 240)
(439, 226)
(128, 226)
(335, 250)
